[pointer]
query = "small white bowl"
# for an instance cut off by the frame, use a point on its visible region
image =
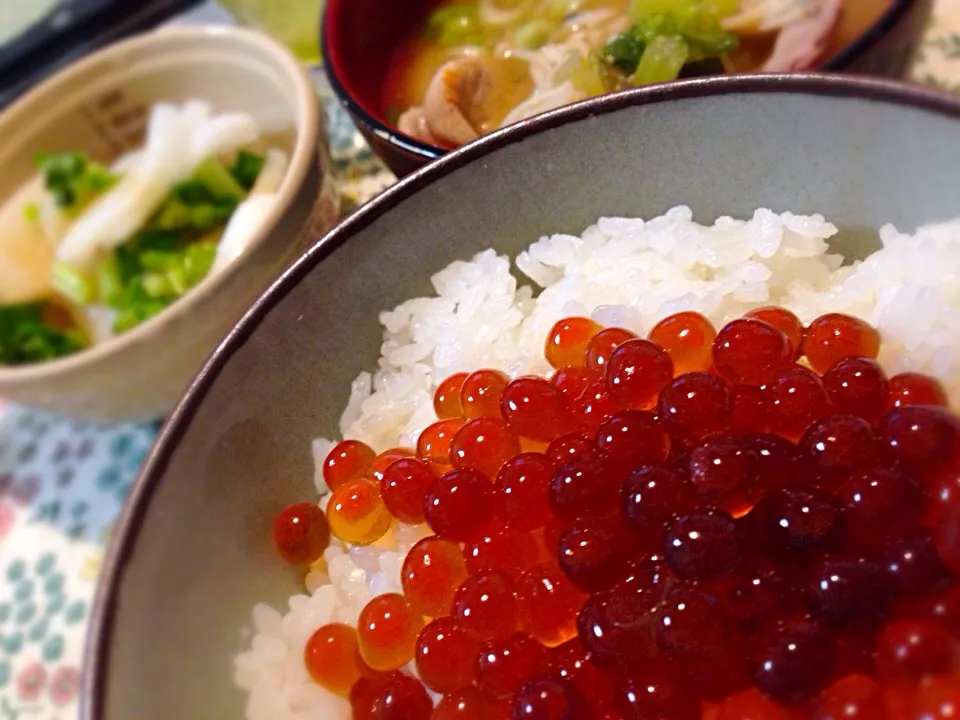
(100, 106)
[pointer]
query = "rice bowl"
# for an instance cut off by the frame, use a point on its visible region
(377, 250)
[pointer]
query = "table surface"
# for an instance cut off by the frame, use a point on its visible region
(62, 482)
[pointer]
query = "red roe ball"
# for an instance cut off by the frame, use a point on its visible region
(836, 446)
(582, 488)
(592, 554)
(858, 386)
(570, 382)
(601, 347)
(356, 512)
(301, 533)
(446, 656)
(466, 704)
(938, 698)
(433, 445)
(394, 696)
(751, 408)
(948, 539)
(785, 321)
(908, 650)
(548, 604)
(509, 551)
(696, 405)
(548, 698)
(752, 705)
(568, 448)
(834, 337)
(636, 373)
(658, 691)
(505, 663)
(460, 505)
(915, 389)
(481, 393)
(592, 407)
(652, 495)
(751, 352)
(921, 437)
(533, 408)
(446, 400)
(404, 488)
(567, 341)
(332, 657)
(485, 606)
(523, 483)
(725, 473)
(387, 629)
(687, 338)
(629, 439)
(348, 460)
(386, 459)
(854, 697)
(432, 571)
(797, 400)
(485, 445)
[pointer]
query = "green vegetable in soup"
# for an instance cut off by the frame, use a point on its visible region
(662, 60)
(219, 181)
(534, 34)
(26, 337)
(74, 285)
(455, 25)
(73, 179)
(623, 51)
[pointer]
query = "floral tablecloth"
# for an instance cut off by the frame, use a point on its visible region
(62, 482)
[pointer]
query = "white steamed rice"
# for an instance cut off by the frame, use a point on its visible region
(624, 272)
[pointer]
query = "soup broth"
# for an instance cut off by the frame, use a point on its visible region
(492, 63)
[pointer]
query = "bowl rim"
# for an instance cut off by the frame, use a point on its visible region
(302, 158)
(128, 526)
(387, 132)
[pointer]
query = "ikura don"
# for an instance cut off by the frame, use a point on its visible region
(744, 522)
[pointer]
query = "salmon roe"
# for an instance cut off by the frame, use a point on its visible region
(301, 533)
(387, 630)
(567, 341)
(446, 400)
(332, 657)
(688, 339)
(348, 460)
(356, 512)
(754, 523)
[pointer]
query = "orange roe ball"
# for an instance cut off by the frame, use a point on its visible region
(592, 408)
(485, 445)
(347, 460)
(386, 459)
(446, 400)
(784, 321)
(301, 533)
(433, 444)
(446, 656)
(533, 408)
(548, 604)
(387, 630)
(356, 512)
(751, 352)
(485, 606)
(688, 338)
(601, 347)
(567, 341)
(332, 658)
(405, 486)
(509, 551)
(481, 393)
(835, 337)
(916, 389)
(432, 571)
(522, 486)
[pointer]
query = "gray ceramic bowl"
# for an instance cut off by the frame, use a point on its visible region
(193, 553)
